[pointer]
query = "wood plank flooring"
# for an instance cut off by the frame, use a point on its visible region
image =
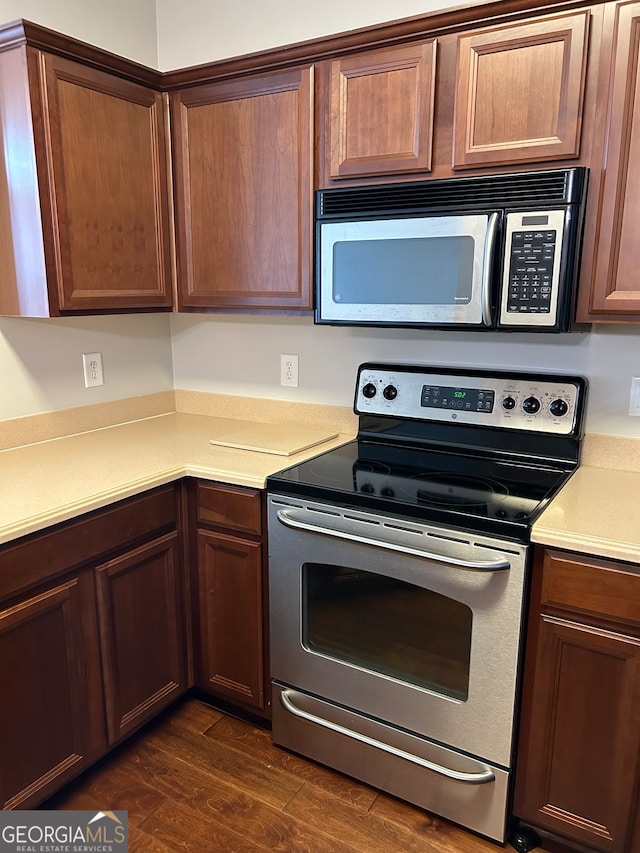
(199, 780)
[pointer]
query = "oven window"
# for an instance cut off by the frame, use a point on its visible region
(387, 626)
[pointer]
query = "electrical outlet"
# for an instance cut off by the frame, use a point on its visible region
(634, 396)
(289, 370)
(92, 364)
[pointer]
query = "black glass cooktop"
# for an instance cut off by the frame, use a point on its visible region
(455, 489)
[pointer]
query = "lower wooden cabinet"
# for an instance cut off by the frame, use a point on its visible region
(92, 639)
(578, 769)
(51, 714)
(231, 604)
(142, 634)
(95, 619)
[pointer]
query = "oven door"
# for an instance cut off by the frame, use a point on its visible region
(414, 626)
(433, 270)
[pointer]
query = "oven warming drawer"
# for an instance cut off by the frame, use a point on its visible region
(434, 777)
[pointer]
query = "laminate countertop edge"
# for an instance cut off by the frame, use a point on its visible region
(48, 482)
(52, 481)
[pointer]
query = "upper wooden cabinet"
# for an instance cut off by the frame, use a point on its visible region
(84, 202)
(519, 92)
(612, 292)
(243, 171)
(381, 111)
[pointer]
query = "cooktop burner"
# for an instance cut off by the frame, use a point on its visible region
(482, 493)
(492, 470)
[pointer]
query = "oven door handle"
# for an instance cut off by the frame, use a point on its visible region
(286, 517)
(480, 778)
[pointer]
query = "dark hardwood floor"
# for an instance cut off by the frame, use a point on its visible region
(199, 780)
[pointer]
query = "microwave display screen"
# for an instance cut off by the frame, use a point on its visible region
(405, 271)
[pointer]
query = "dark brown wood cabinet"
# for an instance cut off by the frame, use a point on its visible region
(142, 632)
(520, 90)
(243, 154)
(578, 768)
(68, 652)
(84, 194)
(231, 624)
(380, 115)
(51, 715)
(610, 289)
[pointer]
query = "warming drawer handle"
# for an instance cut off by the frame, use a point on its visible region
(487, 267)
(285, 517)
(481, 778)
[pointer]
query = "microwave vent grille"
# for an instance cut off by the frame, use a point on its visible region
(521, 190)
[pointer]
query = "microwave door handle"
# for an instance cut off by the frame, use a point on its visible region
(487, 267)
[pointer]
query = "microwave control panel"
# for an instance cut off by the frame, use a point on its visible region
(533, 247)
(542, 403)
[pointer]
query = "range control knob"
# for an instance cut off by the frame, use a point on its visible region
(531, 405)
(369, 390)
(390, 392)
(558, 408)
(508, 403)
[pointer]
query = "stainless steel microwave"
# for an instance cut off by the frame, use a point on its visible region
(496, 252)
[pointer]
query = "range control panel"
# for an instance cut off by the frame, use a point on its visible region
(538, 402)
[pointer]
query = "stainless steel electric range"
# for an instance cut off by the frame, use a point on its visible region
(398, 568)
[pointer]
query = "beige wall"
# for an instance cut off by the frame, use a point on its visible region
(41, 360)
(127, 27)
(200, 31)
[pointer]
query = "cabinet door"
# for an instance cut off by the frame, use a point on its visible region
(51, 713)
(140, 602)
(104, 189)
(583, 744)
(519, 92)
(243, 173)
(231, 622)
(381, 111)
(614, 291)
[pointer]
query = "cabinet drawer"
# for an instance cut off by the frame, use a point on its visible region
(593, 587)
(231, 507)
(42, 556)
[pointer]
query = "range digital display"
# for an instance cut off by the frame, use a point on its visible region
(466, 399)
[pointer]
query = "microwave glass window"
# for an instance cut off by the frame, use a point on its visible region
(435, 271)
(387, 626)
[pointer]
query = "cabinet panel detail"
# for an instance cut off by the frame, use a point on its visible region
(230, 594)
(591, 588)
(142, 634)
(51, 718)
(520, 91)
(614, 292)
(41, 556)
(106, 189)
(234, 508)
(585, 745)
(243, 166)
(381, 111)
